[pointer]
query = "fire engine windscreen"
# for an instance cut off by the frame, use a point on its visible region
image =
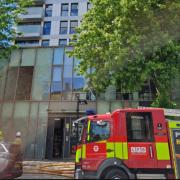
(98, 130)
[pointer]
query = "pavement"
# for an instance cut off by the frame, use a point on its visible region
(41, 176)
(43, 169)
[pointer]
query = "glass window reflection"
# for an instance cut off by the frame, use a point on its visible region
(78, 82)
(58, 56)
(67, 85)
(42, 75)
(63, 27)
(56, 85)
(64, 9)
(74, 9)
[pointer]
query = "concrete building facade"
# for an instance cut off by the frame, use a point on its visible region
(51, 22)
(38, 96)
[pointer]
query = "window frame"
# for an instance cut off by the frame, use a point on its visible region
(72, 29)
(45, 31)
(74, 12)
(48, 12)
(64, 41)
(61, 31)
(64, 11)
(45, 40)
(148, 131)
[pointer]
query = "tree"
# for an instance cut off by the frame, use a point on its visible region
(9, 17)
(127, 42)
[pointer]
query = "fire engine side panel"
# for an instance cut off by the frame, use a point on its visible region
(161, 140)
(140, 154)
(150, 154)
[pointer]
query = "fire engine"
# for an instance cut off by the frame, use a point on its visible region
(128, 144)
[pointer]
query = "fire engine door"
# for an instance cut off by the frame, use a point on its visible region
(175, 139)
(141, 145)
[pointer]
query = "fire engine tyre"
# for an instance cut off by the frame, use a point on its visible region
(116, 174)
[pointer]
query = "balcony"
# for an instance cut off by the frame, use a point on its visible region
(28, 43)
(34, 14)
(29, 31)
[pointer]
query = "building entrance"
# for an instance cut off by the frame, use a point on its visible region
(60, 137)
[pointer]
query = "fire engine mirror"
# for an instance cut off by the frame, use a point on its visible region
(101, 123)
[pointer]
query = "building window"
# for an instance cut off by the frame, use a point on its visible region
(24, 83)
(78, 80)
(63, 27)
(47, 28)
(11, 82)
(74, 9)
(58, 56)
(89, 6)
(67, 77)
(64, 9)
(139, 127)
(73, 26)
(63, 42)
(56, 85)
(48, 10)
(42, 74)
(45, 43)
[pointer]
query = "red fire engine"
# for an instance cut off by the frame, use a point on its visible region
(128, 144)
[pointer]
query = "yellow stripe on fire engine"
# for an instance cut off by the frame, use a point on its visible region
(110, 149)
(162, 150)
(125, 150)
(88, 129)
(173, 154)
(118, 150)
(174, 124)
(84, 151)
(78, 155)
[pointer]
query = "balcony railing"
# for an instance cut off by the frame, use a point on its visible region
(22, 45)
(29, 31)
(33, 13)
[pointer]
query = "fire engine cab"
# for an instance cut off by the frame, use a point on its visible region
(128, 144)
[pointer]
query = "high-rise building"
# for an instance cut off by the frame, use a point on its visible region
(39, 87)
(51, 22)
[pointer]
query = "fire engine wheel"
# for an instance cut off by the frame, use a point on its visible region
(116, 174)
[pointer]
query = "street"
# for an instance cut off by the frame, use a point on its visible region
(41, 176)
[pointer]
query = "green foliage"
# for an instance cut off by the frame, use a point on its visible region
(128, 42)
(163, 100)
(9, 17)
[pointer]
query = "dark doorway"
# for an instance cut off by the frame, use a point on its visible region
(61, 140)
(54, 142)
(58, 138)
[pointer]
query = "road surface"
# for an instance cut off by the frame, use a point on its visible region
(41, 176)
